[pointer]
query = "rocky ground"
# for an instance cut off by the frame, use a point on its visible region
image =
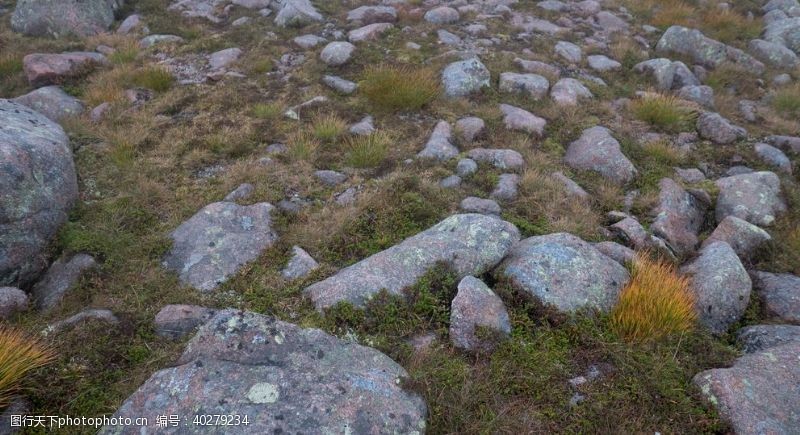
(401, 216)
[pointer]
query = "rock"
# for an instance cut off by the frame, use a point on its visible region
(690, 175)
(613, 250)
(462, 78)
(39, 188)
(177, 321)
(477, 306)
(88, 314)
(679, 218)
(337, 53)
(531, 85)
(60, 278)
(570, 186)
(610, 22)
(601, 63)
(568, 51)
(466, 167)
(330, 178)
(58, 18)
(207, 9)
(780, 293)
(132, 24)
(369, 32)
(760, 337)
(518, 119)
(703, 50)
(470, 244)
(18, 406)
(567, 92)
(472, 204)
(537, 67)
(660, 69)
(773, 54)
(440, 146)
(213, 244)
(52, 102)
(714, 127)
(785, 32)
(442, 15)
(506, 189)
(363, 127)
(224, 58)
(596, 150)
(373, 14)
(151, 40)
(702, 95)
(758, 395)
(12, 301)
(502, 159)
(565, 272)
(339, 84)
(450, 182)
(749, 110)
(242, 192)
(297, 13)
(741, 235)
(788, 143)
(308, 41)
(720, 285)
(51, 69)
(470, 128)
(773, 157)
(448, 38)
(754, 197)
(632, 233)
(99, 113)
(300, 265)
(282, 377)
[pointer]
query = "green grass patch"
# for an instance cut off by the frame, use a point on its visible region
(665, 113)
(786, 101)
(367, 151)
(396, 88)
(155, 78)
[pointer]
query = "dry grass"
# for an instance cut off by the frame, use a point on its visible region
(657, 302)
(156, 78)
(267, 111)
(303, 146)
(328, 128)
(20, 354)
(368, 151)
(672, 13)
(786, 101)
(665, 112)
(399, 88)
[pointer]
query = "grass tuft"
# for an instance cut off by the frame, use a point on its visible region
(19, 355)
(268, 111)
(155, 78)
(787, 101)
(665, 112)
(368, 151)
(657, 302)
(397, 88)
(303, 146)
(328, 128)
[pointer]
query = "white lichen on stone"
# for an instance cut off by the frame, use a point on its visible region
(263, 392)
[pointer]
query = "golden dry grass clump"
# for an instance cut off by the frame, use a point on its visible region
(656, 303)
(665, 112)
(399, 88)
(19, 355)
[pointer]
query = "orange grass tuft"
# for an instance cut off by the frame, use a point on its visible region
(19, 355)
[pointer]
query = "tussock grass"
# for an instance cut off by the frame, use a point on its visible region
(665, 112)
(728, 26)
(727, 77)
(20, 354)
(399, 88)
(328, 128)
(267, 111)
(10, 64)
(367, 151)
(657, 302)
(663, 152)
(787, 101)
(303, 146)
(156, 78)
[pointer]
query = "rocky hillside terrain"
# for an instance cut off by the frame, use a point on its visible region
(403, 216)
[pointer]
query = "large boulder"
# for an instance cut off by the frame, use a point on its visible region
(780, 293)
(54, 68)
(714, 127)
(704, 50)
(52, 102)
(283, 378)
(213, 244)
(57, 18)
(679, 218)
(469, 244)
(720, 285)
(564, 271)
(759, 394)
(774, 54)
(743, 236)
(462, 78)
(38, 185)
(785, 32)
(754, 197)
(596, 150)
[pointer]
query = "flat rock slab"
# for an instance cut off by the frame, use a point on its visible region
(470, 244)
(759, 337)
(565, 272)
(759, 394)
(213, 244)
(176, 321)
(754, 197)
(286, 379)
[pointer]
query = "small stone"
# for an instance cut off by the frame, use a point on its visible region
(754, 197)
(570, 186)
(531, 85)
(337, 53)
(363, 127)
(466, 167)
(59, 279)
(300, 265)
(596, 150)
(330, 178)
(439, 145)
(442, 15)
(568, 91)
(773, 157)
(602, 63)
(569, 51)
(760, 337)
(741, 235)
(780, 293)
(224, 58)
(242, 192)
(522, 120)
(465, 77)
(369, 32)
(308, 41)
(472, 204)
(613, 250)
(719, 130)
(474, 306)
(502, 159)
(470, 128)
(88, 314)
(450, 182)
(339, 84)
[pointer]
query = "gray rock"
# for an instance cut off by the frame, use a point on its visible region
(472, 204)
(242, 192)
(18, 406)
(131, 24)
(297, 13)
(596, 150)
(749, 110)
(308, 41)
(601, 63)
(466, 167)
(720, 285)
(470, 244)
(610, 22)
(690, 175)
(704, 50)
(151, 40)
(43, 69)
(337, 53)
(613, 250)
(754, 197)
(702, 95)
(570, 186)
(282, 377)
(567, 92)
(780, 293)
(537, 67)
(758, 395)
(564, 271)
(59, 279)
(339, 84)
(738, 170)
(760, 337)
(785, 32)
(714, 127)
(213, 244)
(39, 188)
(787, 143)
(462, 78)
(502, 159)
(741, 235)
(568, 51)
(660, 69)
(518, 119)
(373, 14)
(679, 218)
(58, 18)
(440, 146)
(363, 127)
(773, 54)
(450, 182)
(207, 9)
(12, 301)
(477, 306)
(470, 128)
(224, 58)
(330, 178)
(632, 233)
(52, 102)
(448, 38)
(177, 321)
(369, 32)
(99, 112)
(773, 157)
(442, 15)
(531, 85)
(506, 189)
(97, 315)
(300, 265)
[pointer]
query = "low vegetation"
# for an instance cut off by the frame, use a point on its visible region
(787, 101)
(399, 88)
(328, 128)
(664, 112)
(367, 151)
(20, 354)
